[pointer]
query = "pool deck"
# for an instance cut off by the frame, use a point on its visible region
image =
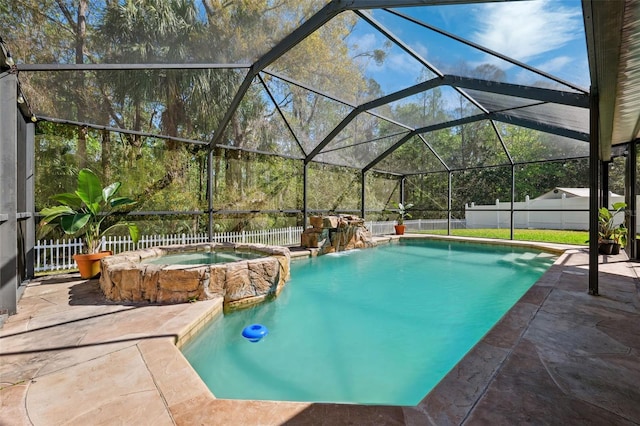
(559, 356)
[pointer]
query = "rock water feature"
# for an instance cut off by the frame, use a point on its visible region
(131, 277)
(331, 234)
(253, 272)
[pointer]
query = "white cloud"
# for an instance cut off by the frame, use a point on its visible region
(555, 64)
(364, 43)
(526, 30)
(404, 63)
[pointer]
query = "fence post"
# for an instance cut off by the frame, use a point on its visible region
(526, 200)
(498, 212)
(564, 196)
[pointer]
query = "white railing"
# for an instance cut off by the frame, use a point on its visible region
(57, 255)
(384, 228)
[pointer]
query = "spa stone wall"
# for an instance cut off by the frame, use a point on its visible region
(125, 279)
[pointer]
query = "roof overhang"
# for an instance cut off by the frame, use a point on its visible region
(613, 42)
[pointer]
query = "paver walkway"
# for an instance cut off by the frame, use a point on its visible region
(560, 356)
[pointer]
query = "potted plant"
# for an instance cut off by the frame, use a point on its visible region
(403, 212)
(87, 212)
(610, 235)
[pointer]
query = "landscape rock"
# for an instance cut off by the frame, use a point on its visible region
(330, 234)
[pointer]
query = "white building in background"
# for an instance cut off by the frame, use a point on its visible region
(562, 207)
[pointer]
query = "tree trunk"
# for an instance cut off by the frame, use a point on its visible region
(233, 176)
(81, 35)
(106, 156)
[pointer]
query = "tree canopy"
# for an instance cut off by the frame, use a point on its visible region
(289, 109)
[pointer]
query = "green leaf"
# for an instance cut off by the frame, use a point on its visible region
(47, 211)
(68, 199)
(52, 213)
(89, 190)
(73, 224)
(122, 201)
(109, 191)
(604, 213)
(134, 232)
(44, 229)
(619, 205)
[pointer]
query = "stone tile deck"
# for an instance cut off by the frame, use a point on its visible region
(559, 356)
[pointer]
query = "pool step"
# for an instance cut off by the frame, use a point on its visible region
(528, 259)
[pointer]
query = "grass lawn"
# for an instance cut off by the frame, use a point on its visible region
(548, 236)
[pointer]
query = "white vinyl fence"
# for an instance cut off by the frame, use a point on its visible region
(57, 255)
(561, 216)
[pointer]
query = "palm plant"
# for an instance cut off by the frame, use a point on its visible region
(403, 212)
(607, 229)
(87, 210)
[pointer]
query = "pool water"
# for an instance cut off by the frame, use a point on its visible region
(202, 257)
(375, 326)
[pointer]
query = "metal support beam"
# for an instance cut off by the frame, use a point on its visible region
(26, 198)
(402, 45)
(604, 183)
(126, 67)
(323, 16)
(449, 204)
(513, 198)
(119, 130)
(345, 121)
(453, 123)
(632, 208)
(8, 196)
(363, 176)
(387, 152)
(485, 50)
(210, 193)
(377, 4)
(536, 125)
(281, 114)
(559, 97)
(594, 193)
(404, 93)
(305, 185)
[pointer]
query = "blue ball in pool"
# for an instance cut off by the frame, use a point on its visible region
(254, 332)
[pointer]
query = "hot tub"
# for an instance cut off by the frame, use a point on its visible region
(243, 274)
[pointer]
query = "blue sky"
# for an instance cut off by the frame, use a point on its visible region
(546, 34)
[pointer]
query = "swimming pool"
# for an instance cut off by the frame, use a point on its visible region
(202, 258)
(376, 326)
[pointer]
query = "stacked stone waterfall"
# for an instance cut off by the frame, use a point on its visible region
(330, 234)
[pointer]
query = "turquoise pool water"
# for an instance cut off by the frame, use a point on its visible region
(201, 257)
(374, 326)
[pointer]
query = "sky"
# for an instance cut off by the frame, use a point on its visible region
(545, 34)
